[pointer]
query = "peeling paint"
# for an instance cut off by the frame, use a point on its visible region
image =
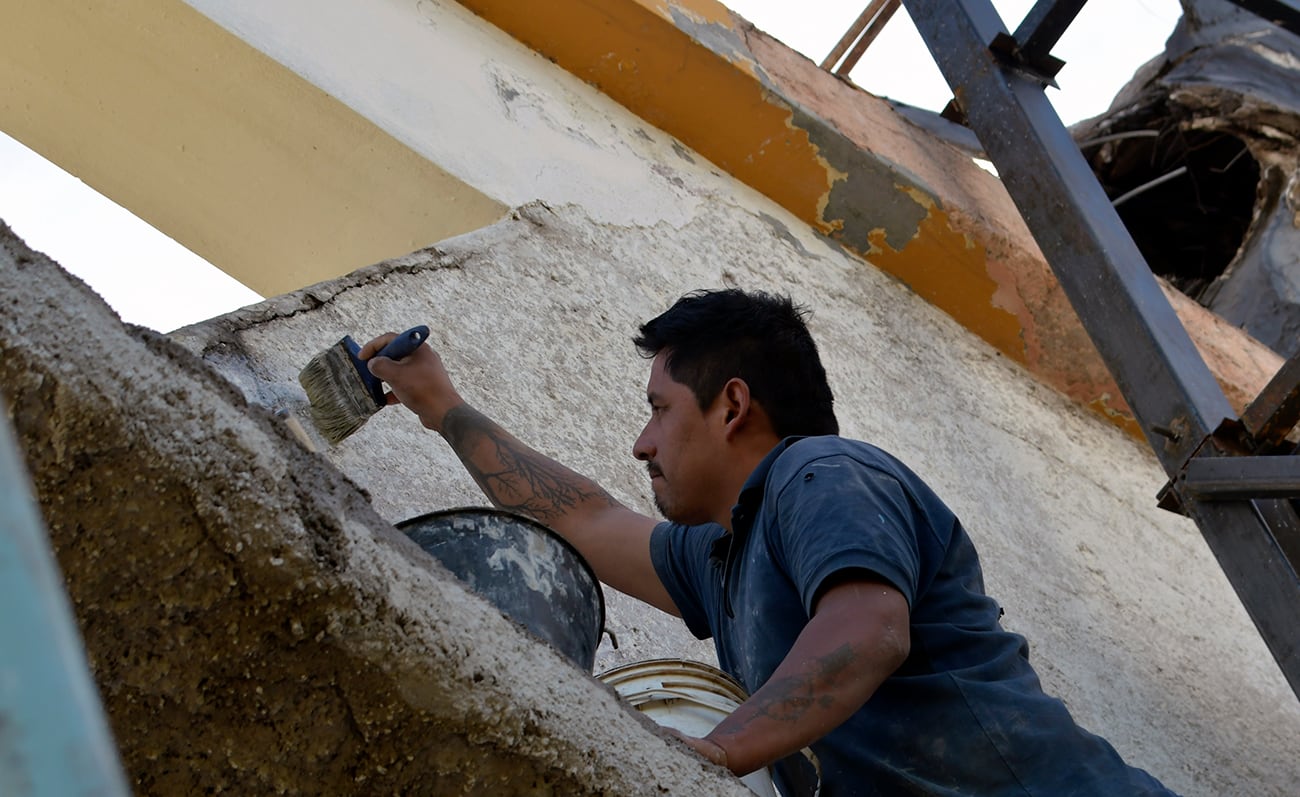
(797, 159)
(702, 11)
(1120, 417)
(721, 38)
(1009, 297)
(865, 197)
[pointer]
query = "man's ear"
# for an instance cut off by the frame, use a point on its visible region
(736, 403)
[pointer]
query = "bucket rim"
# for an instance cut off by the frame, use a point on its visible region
(527, 521)
(700, 666)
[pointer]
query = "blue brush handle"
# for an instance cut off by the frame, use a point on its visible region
(404, 344)
(399, 347)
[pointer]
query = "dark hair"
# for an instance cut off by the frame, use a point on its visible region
(713, 336)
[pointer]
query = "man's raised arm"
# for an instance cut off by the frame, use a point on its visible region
(612, 538)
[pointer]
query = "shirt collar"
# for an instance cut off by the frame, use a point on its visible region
(746, 509)
(751, 497)
(752, 493)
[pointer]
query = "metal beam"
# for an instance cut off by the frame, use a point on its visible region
(1238, 478)
(1171, 391)
(1261, 480)
(1276, 410)
(1042, 28)
(1157, 367)
(1259, 569)
(1045, 23)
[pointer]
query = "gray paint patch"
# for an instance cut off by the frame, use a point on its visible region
(722, 40)
(868, 198)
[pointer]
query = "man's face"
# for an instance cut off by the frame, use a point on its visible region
(681, 446)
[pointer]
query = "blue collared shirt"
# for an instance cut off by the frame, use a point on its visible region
(965, 713)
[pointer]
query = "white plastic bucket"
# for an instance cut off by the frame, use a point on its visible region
(684, 695)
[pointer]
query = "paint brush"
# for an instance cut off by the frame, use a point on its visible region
(342, 391)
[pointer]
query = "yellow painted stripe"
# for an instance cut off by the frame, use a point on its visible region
(219, 146)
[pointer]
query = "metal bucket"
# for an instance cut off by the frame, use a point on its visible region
(523, 568)
(684, 695)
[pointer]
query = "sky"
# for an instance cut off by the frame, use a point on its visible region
(153, 281)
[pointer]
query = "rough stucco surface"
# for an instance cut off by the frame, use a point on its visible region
(1129, 619)
(253, 624)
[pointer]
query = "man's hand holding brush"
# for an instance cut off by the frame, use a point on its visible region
(419, 381)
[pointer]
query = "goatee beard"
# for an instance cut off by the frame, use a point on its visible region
(660, 506)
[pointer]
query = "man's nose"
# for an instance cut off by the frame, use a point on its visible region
(642, 449)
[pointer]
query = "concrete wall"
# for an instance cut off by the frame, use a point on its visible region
(289, 142)
(1129, 618)
(253, 625)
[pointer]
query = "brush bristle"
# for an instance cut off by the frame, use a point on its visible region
(340, 401)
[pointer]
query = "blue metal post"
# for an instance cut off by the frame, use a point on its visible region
(54, 738)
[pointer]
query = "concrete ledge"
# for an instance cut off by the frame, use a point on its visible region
(253, 625)
(852, 167)
(1127, 612)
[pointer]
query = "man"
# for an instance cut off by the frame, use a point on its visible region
(838, 589)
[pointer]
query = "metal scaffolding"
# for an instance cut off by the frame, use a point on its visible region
(1236, 476)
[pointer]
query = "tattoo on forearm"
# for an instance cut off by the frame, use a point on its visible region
(513, 476)
(788, 699)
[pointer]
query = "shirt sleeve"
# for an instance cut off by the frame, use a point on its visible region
(838, 514)
(680, 555)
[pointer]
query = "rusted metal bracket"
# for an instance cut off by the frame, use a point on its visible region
(1029, 50)
(1276, 410)
(1226, 467)
(1043, 70)
(1248, 458)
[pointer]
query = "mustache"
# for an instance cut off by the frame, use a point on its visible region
(652, 468)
